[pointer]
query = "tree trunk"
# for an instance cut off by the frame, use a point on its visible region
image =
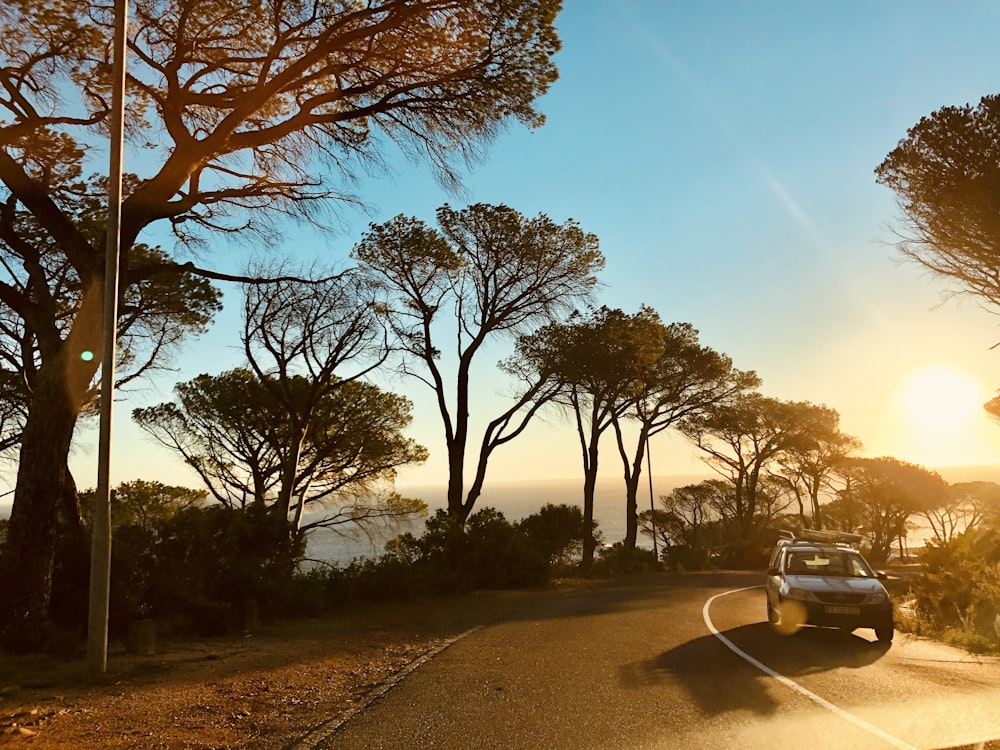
(632, 508)
(632, 472)
(589, 485)
(456, 485)
(45, 501)
(43, 480)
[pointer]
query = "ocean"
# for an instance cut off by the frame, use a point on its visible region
(518, 499)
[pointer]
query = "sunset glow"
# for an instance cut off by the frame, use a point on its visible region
(942, 420)
(941, 399)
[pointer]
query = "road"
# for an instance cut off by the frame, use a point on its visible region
(639, 666)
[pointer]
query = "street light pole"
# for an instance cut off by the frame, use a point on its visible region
(100, 554)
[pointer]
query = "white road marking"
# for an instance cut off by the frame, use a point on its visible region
(894, 741)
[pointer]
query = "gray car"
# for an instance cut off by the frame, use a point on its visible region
(820, 578)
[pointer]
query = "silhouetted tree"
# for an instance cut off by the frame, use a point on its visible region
(946, 176)
(885, 492)
(598, 362)
(685, 380)
(486, 273)
(234, 432)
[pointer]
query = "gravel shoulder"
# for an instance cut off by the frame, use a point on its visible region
(265, 689)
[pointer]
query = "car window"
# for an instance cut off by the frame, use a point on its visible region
(820, 563)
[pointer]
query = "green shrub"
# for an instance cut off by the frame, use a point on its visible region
(958, 597)
(556, 532)
(621, 560)
(688, 558)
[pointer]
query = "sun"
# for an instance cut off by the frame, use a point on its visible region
(940, 419)
(941, 399)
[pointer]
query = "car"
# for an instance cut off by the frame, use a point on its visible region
(821, 579)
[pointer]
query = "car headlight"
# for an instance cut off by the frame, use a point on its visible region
(878, 597)
(800, 594)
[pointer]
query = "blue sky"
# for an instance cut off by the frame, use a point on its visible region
(723, 152)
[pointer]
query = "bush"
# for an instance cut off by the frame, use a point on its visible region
(688, 558)
(556, 532)
(621, 560)
(958, 597)
(204, 569)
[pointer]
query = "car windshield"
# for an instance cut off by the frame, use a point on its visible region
(827, 563)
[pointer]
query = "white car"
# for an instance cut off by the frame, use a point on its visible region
(820, 578)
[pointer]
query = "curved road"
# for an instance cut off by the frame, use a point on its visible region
(678, 662)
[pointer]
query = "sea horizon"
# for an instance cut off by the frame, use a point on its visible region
(519, 498)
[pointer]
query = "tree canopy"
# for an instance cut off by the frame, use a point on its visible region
(236, 435)
(686, 379)
(486, 272)
(946, 177)
(884, 493)
(597, 362)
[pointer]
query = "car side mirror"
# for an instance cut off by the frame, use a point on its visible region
(774, 571)
(881, 575)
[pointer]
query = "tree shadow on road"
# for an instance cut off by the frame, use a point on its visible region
(721, 681)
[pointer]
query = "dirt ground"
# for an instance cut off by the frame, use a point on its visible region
(265, 690)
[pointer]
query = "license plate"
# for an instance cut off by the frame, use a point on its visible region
(835, 610)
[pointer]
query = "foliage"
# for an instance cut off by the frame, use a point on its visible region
(880, 495)
(742, 441)
(968, 505)
(487, 552)
(690, 524)
(685, 380)
(145, 505)
(236, 434)
(556, 531)
(597, 363)
(244, 113)
(809, 463)
(486, 272)
(945, 175)
(619, 559)
(306, 343)
(960, 589)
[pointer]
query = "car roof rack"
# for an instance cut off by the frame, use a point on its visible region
(822, 537)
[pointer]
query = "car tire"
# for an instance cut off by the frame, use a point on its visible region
(884, 633)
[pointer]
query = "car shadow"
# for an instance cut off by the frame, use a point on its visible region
(720, 680)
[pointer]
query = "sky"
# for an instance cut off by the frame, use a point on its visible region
(723, 152)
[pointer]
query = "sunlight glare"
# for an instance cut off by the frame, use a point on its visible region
(940, 419)
(940, 399)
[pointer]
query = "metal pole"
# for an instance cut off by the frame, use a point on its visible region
(652, 508)
(100, 555)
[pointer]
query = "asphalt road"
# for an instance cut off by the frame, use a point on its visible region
(639, 666)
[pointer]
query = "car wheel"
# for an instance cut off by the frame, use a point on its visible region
(884, 633)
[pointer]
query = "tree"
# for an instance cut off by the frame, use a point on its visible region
(598, 362)
(487, 273)
(556, 531)
(946, 176)
(808, 463)
(317, 329)
(245, 112)
(886, 492)
(235, 434)
(146, 505)
(742, 440)
(968, 505)
(685, 380)
(686, 517)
